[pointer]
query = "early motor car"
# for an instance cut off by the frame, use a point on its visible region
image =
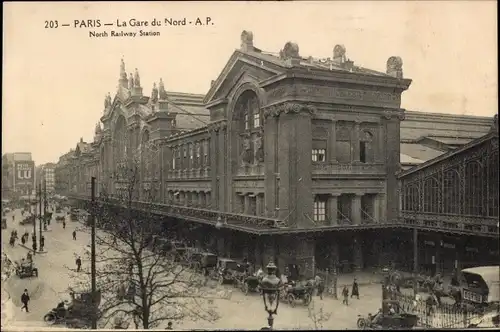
(26, 269)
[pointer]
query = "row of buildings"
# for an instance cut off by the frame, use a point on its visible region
(20, 175)
(310, 162)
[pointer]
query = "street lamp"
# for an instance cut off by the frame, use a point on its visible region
(270, 286)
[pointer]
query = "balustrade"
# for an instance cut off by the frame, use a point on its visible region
(329, 168)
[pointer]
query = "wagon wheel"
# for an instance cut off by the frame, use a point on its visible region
(221, 280)
(291, 300)
(307, 299)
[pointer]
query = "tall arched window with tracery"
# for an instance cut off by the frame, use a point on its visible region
(247, 123)
(431, 195)
(120, 143)
(145, 156)
(411, 198)
(474, 188)
(451, 192)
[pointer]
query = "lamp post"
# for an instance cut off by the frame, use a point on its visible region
(40, 216)
(33, 238)
(270, 286)
(92, 253)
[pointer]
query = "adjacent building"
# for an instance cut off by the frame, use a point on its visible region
(47, 176)
(294, 159)
(18, 174)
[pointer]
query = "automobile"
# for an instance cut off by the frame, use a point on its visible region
(227, 269)
(26, 269)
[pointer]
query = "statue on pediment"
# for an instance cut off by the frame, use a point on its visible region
(395, 67)
(154, 94)
(123, 73)
(130, 81)
(162, 91)
(137, 79)
(290, 50)
(246, 154)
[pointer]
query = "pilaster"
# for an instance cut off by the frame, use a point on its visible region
(332, 142)
(356, 209)
(270, 164)
(379, 156)
(376, 208)
(355, 142)
(258, 204)
(246, 204)
(333, 209)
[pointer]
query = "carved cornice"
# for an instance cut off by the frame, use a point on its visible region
(218, 125)
(288, 108)
(394, 114)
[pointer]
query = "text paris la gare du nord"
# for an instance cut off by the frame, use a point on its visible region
(141, 23)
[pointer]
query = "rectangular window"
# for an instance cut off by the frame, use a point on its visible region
(174, 156)
(256, 120)
(247, 122)
(319, 210)
(362, 152)
(318, 155)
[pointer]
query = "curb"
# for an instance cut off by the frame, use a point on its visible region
(31, 249)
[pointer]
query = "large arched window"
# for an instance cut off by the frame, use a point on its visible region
(474, 182)
(431, 195)
(247, 123)
(120, 141)
(411, 198)
(145, 155)
(451, 192)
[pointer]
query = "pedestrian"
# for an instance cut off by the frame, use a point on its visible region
(42, 243)
(355, 289)
(320, 286)
(25, 298)
(169, 326)
(64, 224)
(78, 264)
(23, 240)
(345, 294)
(74, 235)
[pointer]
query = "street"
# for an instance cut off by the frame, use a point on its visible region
(237, 312)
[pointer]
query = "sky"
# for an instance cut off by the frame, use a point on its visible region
(55, 79)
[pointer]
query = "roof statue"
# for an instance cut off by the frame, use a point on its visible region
(154, 94)
(339, 54)
(123, 73)
(107, 102)
(137, 79)
(395, 67)
(162, 91)
(246, 41)
(108, 99)
(98, 129)
(290, 50)
(130, 81)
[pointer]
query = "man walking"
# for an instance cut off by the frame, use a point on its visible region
(355, 289)
(74, 235)
(78, 264)
(345, 294)
(42, 243)
(25, 298)
(64, 224)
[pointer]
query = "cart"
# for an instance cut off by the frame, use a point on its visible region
(26, 269)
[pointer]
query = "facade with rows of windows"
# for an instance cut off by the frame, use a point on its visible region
(286, 158)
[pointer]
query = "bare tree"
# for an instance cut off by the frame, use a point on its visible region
(137, 281)
(317, 315)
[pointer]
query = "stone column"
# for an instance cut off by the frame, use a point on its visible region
(258, 204)
(333, 209)
(355, 142)
(332, 142)
(208, 200)
(357, 254)
(213, 166)
(270, 162)
(356, 209)
(201, 199)
(379, 156)
(382, 207)
(376, 208)
(438, 241)
(246, 207)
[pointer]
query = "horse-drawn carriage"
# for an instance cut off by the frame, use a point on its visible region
(251, 284)
(228, 270)
(26, 269)
(29, 219)
(393, 318)
(76, 313)
(204, 261)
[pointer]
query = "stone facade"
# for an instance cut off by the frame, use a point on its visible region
(298, 142)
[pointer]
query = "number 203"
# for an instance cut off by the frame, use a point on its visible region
(51, 24)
